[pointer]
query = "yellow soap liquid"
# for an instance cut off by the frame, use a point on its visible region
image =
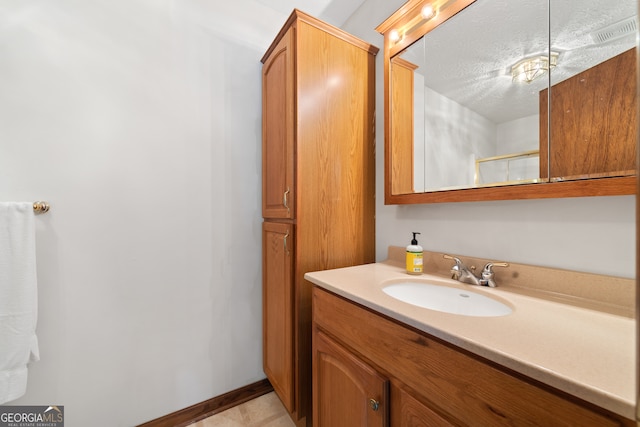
(414, 262)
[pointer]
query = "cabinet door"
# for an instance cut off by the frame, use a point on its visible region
(593, 127)
(277, 309)
(346, 391)
(278, 131)
(407, 411)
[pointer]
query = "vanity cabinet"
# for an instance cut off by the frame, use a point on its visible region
(352, 392)
(318, 185)
(434, 383)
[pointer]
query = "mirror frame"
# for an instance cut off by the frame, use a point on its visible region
(408, 21)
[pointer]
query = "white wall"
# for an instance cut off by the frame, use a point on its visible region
(455, 137)
(141, 126)
(587, 234)
(518, 135)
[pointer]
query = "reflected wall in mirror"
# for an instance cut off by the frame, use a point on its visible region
(467, 100)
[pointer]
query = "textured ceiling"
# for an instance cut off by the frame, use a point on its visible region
(335, 12)
(467, 59)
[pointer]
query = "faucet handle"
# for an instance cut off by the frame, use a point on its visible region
(459, 269)
(456, 259)
(488, 274)
(456, 270)
(489, 266)
(459, 264)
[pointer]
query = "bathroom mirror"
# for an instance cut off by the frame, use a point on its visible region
(467, 102)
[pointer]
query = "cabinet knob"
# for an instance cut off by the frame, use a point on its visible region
(374, 404)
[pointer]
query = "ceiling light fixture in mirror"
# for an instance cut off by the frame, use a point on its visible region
(533, 67)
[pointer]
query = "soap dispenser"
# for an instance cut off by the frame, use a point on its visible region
(414, 256)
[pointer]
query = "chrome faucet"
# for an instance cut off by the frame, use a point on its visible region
(461, 273)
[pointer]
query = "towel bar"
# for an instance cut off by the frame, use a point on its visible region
(41, 207)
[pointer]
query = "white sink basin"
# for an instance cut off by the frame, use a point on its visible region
(446, 299)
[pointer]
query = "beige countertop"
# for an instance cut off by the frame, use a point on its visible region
(587, 353)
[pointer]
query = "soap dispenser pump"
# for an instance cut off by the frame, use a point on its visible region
(414, 256)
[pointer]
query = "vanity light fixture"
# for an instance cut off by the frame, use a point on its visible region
(395, 36)
(528, 69)
(426, 13)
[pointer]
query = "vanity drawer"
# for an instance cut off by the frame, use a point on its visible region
(462, 386)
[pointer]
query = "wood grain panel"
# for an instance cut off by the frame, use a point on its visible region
(476, 393)
(335, 151)
(277, 309)
(343, 386)
(407, 411)
(402, 124)
(299, 16)
(277, 131)
(617, 186)
(335, 168)
(593, 122)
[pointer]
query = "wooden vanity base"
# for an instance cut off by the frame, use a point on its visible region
(418, 380)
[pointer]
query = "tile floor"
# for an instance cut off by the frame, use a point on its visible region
(263, 411)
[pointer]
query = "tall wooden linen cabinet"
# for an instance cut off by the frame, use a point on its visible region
(318, 185)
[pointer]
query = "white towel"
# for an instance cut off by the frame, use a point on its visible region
(18, 298)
